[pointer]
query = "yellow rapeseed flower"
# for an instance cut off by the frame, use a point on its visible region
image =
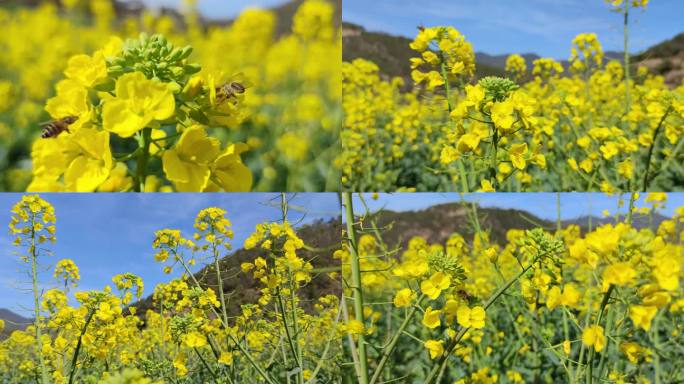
(435, 348)
(593, 336)
(138, 102)
(471, 317)
(434, 286)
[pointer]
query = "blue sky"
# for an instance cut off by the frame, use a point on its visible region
(108, 234)
(545, 27)
(217, 9)
(542, 205)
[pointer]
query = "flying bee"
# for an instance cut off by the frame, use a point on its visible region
(232, 89)
(52, 129)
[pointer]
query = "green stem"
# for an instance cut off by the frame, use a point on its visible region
(294, 342)
(74, 359)
(632, 200)
(36, 303)
(204, 362)
(219, 280)
(219, 287)
(295, 329)
(673, 156)
(493, 160)
(647, 180)
(447, 87)
(356, 285)
(609, 324)
(144, 141)
(128, 156)
(395, 339)
(295, 355)
(463, 176)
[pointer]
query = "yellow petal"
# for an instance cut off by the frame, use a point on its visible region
(118, 118)
(232, 175)
(85, 174)
(174, 167)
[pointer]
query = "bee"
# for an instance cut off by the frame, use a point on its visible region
(232, 89)
(52, 129)
(463, 295)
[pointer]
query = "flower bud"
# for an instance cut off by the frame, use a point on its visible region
(192, 68)
(186, 51)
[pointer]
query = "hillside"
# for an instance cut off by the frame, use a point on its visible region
(392, 55)
(438, 222)
(666, 59)
(12, 322)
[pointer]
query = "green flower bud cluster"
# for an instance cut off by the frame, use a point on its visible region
(93, 299)
(449, 264)
(546, 246)
(182, 324)
(156, 57)
(497, 88)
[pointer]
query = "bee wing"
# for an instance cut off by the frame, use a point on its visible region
(45, 123)
(240, 78)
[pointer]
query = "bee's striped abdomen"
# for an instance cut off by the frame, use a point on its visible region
(54, 128)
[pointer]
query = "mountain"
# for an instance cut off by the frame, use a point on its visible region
(392, 55)
(12, 321)
(438, 222)
(666, 59)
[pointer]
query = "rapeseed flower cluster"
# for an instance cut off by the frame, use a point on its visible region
(575, 303)
(160, 105)
(190, 331)
(597, 125)
(599, 301)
